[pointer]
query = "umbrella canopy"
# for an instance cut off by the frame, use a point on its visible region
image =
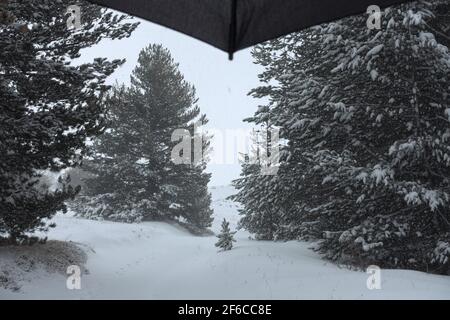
(232, 25)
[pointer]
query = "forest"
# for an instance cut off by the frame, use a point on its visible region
(114, 177)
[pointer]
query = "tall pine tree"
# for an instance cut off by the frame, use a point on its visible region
(48, 108)
(260, 215)
(134, 176)
(365, 115)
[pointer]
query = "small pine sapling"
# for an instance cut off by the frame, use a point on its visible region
(225, 237)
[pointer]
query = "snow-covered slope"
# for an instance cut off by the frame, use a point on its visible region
(161, 261)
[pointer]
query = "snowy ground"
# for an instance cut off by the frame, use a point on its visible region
(161, 261)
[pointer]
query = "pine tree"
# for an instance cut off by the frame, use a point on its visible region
(194, 198)
(366, 118)
(226, 238)
(48, 108)
(134, 177)
(259, 214)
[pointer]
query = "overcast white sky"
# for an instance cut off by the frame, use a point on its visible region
(221, 85)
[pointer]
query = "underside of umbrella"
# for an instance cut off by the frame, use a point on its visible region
(232, 25)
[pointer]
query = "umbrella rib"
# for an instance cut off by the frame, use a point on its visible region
(232, 33)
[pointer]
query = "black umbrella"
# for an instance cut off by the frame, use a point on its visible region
(232, 25)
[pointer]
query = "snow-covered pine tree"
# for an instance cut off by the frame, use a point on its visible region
(194, 199)
(134, 177)
(365, 115)
(226, 237)
(260, 215)
(48, 108)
